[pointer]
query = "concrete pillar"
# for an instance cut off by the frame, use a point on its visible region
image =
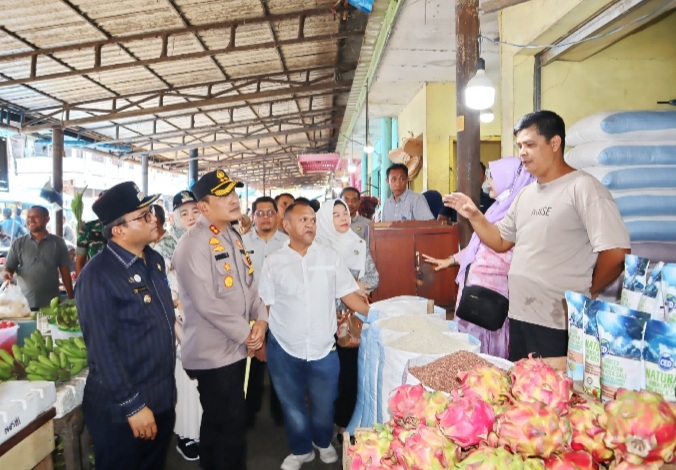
(395, 133)
(466, 57)
(192, 168)
(144, 173)
(385, 147)
(365, 173)
(57, 175)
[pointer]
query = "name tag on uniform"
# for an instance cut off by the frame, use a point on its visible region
(138, 290)
(221, 256)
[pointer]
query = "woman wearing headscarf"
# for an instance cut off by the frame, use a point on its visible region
(333, 229)
(188, 408)
(489, 269)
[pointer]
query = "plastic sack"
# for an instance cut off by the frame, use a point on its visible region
(363, 5)
(13, 303)
(621, 154)
(624, 126)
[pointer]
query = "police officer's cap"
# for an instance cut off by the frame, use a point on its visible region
(183, 197)
(119, 200)
(215, 183)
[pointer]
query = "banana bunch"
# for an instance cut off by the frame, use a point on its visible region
(9, 368)
(75, 351)
(45, 360)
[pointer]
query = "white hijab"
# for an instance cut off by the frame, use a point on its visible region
(350, 247)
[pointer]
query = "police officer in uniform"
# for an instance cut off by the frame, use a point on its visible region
(220, 298)
(127, 318)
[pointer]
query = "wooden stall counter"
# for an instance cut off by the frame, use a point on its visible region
(397, 249)
(31, 448)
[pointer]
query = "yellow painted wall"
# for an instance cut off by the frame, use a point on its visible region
(634, 73)
(631, 74)
(412, 121)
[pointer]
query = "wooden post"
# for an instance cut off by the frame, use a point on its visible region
(57, 175)
(466, 56)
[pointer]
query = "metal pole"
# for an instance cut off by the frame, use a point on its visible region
(365, 173)
(466, 57)
(144, 173)
(192, 168)
(57, 175)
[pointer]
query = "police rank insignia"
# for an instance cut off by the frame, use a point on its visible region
(358, 228)
(238, 243)
(214, 229)
(214, 241)
(228, 281)
(218, 249)
(227, 267)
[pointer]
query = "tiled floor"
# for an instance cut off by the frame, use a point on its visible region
(266, 447)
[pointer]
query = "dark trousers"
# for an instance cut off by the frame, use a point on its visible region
(223, 428)
(115, 446)
(526, 338)
(347, 386)
(254, 394)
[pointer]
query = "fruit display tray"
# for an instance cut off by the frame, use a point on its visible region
(21, 402)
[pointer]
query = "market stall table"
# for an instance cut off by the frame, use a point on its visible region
(32, 446)
(69, 422)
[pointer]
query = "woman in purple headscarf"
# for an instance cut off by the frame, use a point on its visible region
(489, 269)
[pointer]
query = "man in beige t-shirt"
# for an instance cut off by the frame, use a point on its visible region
(566, 232)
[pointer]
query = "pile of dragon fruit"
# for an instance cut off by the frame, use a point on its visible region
(527, 418)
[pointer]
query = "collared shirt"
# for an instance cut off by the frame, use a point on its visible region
(90, 239)
(218, 293)
(301, 293)
(409, 206)
(259, 249)
(12, 229)
(127, 318)
(360, 226)
(37, 266)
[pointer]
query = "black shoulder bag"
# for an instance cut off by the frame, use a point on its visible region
(482, 306)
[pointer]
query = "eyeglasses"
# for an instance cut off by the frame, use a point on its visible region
(147, 216)
(267, 213)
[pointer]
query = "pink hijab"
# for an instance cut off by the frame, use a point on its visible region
(509, 178)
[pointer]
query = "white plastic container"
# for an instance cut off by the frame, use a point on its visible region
(21, 402)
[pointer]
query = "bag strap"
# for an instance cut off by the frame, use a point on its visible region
(466, 274)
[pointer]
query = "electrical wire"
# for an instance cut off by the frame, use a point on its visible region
(581, 41)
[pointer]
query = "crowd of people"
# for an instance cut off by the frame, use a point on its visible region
(172, 311)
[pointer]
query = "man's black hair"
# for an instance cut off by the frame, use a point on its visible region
(279, 196)
(352, 188)
(397, 166)
(315, 204)
(41, 209)
(547, 123)
(301, 201)
(261, 200)
(159, 213)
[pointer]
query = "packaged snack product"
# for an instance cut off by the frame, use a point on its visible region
(635, 277)
(575, 360)
(659, 356)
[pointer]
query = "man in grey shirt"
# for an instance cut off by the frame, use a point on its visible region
(37, 258)
(404, 204)
(360, 225)
(220, 298)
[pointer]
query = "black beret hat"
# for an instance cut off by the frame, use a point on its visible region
(215, 183)
(183, 197)
(119, 200)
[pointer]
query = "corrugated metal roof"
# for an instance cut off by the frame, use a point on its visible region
(241, 81)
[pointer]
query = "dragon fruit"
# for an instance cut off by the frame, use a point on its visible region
(641, 428)
(489, 458)
(588, 434)
(533, 430)
(571, 461)
(437, 402)
(407, 404)
(467, 420)
(624, 465)
(535, 380)
(370, 447)
(489, 382)
(427, 448)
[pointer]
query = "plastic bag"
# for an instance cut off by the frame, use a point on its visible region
(13, 303)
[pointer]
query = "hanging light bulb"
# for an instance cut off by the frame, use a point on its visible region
(351, 166)
(344, 178)
(480, 92)
(368, 148)
(486, 115)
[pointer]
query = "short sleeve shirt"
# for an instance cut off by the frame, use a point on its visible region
(409, 206)
(260, 249)
(37, 266)
(558, 229)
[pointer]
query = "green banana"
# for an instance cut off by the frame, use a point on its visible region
(46, 362)
(16, 350)
(29, 342)
(54, 358)
(5, 374)
(7, 357)
(34, 377)
(77, 368)
(63, 360)
(49, 343)
(79, 342)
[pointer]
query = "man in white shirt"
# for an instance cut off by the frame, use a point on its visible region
(404, 204)
(566, 232)
(260, 242)
(299, 285)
